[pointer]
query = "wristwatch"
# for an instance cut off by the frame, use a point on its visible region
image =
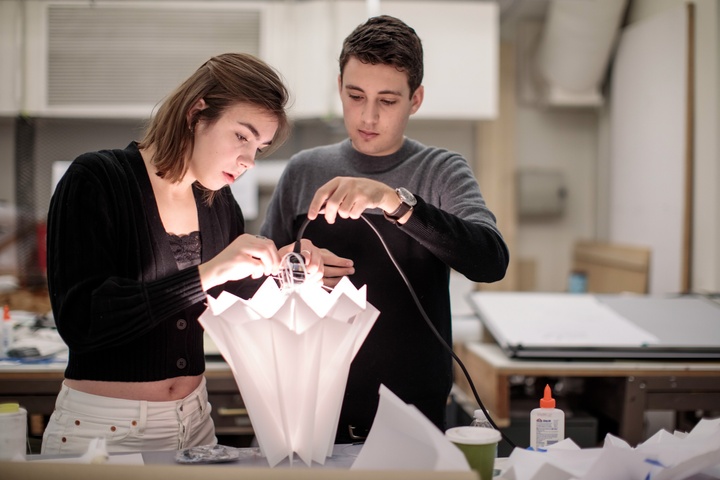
(407, 202)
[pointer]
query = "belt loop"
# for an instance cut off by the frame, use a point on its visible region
(142, 422)
(64, 391)
(200, 395)
(200, 401)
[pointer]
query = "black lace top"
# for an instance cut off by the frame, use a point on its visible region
(186, 249)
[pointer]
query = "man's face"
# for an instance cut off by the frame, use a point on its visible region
(376, 106)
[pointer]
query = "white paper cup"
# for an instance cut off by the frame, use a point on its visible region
(13, 434)
(479, 445)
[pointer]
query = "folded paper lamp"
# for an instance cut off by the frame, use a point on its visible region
(290, 352)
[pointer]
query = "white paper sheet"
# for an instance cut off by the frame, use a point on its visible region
(664, 456)
(402, 438)
(557, 320)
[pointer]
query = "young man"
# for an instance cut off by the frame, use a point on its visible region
(424, 202)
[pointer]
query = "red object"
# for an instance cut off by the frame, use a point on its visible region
(547, 401)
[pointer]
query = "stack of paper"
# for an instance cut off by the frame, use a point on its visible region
(664, 456)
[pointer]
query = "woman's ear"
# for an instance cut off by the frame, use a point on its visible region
(192, 114)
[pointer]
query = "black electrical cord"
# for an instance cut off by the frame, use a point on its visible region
(447, 347)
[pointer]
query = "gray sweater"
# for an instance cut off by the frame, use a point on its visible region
(451, 228)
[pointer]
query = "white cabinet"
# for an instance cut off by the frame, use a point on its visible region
(138, 50)
(119, 59)
(460, 42)
(10, 57)
(301, 45)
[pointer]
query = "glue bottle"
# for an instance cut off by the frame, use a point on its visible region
(547, 423)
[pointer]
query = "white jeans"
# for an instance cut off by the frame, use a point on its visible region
(128, 425)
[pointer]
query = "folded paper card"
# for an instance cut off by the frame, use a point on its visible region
(290, 353)
(402, 438)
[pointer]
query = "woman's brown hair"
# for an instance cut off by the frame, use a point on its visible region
(222, 82)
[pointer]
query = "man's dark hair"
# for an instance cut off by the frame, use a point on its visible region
(386, 40)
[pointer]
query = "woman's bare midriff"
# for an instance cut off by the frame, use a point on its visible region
(160, 391)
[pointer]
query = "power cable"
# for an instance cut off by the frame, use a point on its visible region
(447, 347)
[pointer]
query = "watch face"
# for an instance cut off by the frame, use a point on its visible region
(406, 196)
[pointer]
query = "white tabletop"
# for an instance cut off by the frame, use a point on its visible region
(494, 355)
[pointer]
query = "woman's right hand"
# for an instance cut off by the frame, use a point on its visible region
(247, 256)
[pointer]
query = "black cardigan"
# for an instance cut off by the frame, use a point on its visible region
(120, 303)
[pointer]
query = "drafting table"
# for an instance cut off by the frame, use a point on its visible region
(645, 384)
(573, 326)
(639, 352)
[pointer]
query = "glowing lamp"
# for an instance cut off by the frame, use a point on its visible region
(290, 351)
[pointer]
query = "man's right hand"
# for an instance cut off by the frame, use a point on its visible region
(335, 268)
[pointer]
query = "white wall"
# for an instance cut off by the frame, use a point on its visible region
(577, 142)
(565, 140)
(705, 272)
(706, 260)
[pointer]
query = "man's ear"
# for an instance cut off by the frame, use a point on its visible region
(340, 84)
(192, 114)
(417, 99)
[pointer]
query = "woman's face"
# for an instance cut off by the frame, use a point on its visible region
(227, 148)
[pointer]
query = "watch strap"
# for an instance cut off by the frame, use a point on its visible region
(398, 213)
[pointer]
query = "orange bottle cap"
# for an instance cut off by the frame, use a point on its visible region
(547, 401)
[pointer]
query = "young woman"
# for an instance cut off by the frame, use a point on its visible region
(136, 239)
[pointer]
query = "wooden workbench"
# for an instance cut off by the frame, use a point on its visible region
(645, 385)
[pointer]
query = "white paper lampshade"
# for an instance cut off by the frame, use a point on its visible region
(290, 354)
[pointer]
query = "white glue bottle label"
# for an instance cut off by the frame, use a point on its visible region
(547, 423)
